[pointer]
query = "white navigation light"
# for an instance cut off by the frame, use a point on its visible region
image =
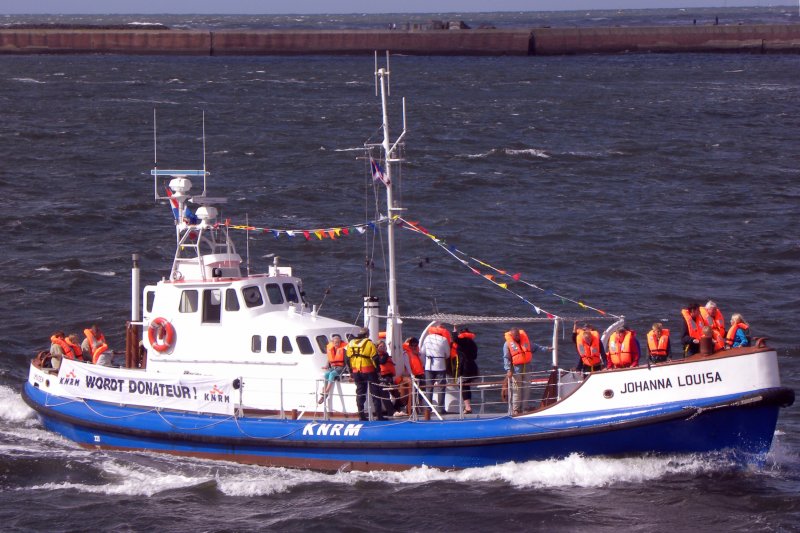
(180, 184)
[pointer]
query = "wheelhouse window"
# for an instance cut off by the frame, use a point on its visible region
(212, 305)
(272, 344)
(188, 302)
(286, 345)
(322, 342)
(150, 299)
(274, 293)
(252, 296)
(291, 293)
(304, 343)
(255, 343)
(231, 300)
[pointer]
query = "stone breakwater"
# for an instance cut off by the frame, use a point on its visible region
(492, 42)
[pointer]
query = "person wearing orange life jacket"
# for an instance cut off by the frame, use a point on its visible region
(95, 346)
(623, 349)
(360, 353)
(692, 329)
(712, 316)
(658, 345)
(59, 349)
(591, 352)
(435, 349)
(518, 353)
(466, 365)
(75, 343)
(416, 367)
(336, 364)
(739, 332)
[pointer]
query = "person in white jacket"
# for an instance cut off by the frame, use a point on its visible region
(435, 349)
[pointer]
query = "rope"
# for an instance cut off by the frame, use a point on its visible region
(465, 259)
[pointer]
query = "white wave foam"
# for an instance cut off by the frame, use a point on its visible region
(107, 273)
(572, 471)
(535, 152)
(528, 151)
(42, 269)
(12, 407)
(28, 80)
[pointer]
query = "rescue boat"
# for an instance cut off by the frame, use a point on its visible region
(226, 364)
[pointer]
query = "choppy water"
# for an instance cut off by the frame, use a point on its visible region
(634, 183)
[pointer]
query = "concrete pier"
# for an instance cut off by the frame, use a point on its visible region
(467, 42)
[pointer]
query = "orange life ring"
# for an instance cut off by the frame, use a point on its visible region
(164, 344)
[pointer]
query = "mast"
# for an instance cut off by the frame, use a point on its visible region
(393, 321)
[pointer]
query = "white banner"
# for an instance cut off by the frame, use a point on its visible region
(135, 387)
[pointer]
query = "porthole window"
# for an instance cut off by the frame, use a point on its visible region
(304, 343)
(322, 342)
(286, 345)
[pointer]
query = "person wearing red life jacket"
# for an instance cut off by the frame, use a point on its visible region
(623, 349)
(518, 353)
(739, 332)
(658, 345)
(417, 369)
(692, 329)
(591, 352)
(336, 364)
(386, 373)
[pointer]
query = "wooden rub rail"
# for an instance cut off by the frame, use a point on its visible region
(520, 42)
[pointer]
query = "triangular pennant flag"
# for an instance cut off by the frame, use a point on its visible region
(346, 231)
(319, 234)
(516, 276)
(307, 235)
(489, 277)
(503, 285)
(276, 233)
(337, 231)
(290, 233)
(361, 229)
(332, 234)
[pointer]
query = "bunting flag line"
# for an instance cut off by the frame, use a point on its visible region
(465, 259)
(332, 233)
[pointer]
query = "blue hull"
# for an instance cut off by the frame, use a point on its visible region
(724, 423)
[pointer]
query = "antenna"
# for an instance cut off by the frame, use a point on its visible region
(247, 241)
(205, 173)
(388, 78)
(155, 154)
(375, 72)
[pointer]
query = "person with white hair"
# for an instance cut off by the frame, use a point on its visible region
(712, 316)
